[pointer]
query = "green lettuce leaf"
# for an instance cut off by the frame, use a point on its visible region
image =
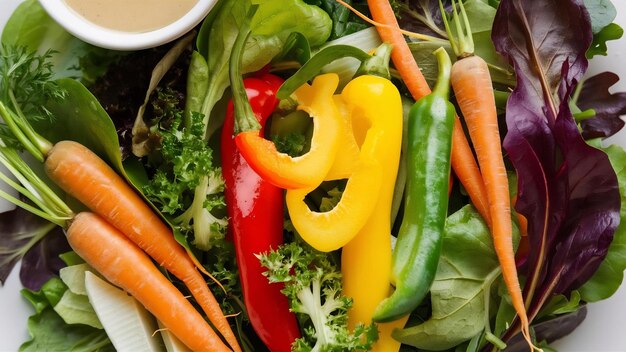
(50, 333)
(49, 329)
(76, 309)
(602, 13)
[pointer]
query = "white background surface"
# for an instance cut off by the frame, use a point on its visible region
(602, 331)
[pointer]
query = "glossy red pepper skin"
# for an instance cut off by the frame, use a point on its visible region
(255, 210)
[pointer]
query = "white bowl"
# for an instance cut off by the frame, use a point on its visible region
(118, 40)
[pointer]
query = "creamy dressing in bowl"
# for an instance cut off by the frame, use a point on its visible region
(135, 16)
(128, 24)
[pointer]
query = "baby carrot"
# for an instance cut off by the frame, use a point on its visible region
(125, 265)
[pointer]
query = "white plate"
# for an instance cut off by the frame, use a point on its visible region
(602, 331)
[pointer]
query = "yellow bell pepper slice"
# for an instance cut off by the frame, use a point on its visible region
(328, 231)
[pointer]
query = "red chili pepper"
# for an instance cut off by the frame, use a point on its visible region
(255, 210)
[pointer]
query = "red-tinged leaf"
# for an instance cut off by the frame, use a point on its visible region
(608, 106)
(566, 189)
(550, 330)
(539, 37)
(19, 231)
(42, 262)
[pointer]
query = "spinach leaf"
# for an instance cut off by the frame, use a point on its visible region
(568, 190)
(49, 295)
(344, 21)
(463, 286)
(610, 274)
(94, 129)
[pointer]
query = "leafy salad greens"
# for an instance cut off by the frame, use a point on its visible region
(172, 122)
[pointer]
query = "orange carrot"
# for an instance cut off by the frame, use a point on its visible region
(466, 169)
(471, 82)
(125, 265)
(462, 159)
(473, 89)
(401, 54)
(85, 176)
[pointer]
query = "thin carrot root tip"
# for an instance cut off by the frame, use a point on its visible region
(528, 338)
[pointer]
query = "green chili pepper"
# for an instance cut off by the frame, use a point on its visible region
(417, 250)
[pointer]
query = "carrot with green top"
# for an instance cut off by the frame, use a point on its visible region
(111, 254)
(86, 177)
(473, 88)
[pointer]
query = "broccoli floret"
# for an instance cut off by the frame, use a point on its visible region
(313, 286)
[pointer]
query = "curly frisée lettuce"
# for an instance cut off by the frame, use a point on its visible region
(313, 286)
(186, 184)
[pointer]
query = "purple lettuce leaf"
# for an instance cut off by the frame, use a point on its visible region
(566, 189)
(42, 261)
(608, 106)
(550, 330)
(592, 212)
(19, 231)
